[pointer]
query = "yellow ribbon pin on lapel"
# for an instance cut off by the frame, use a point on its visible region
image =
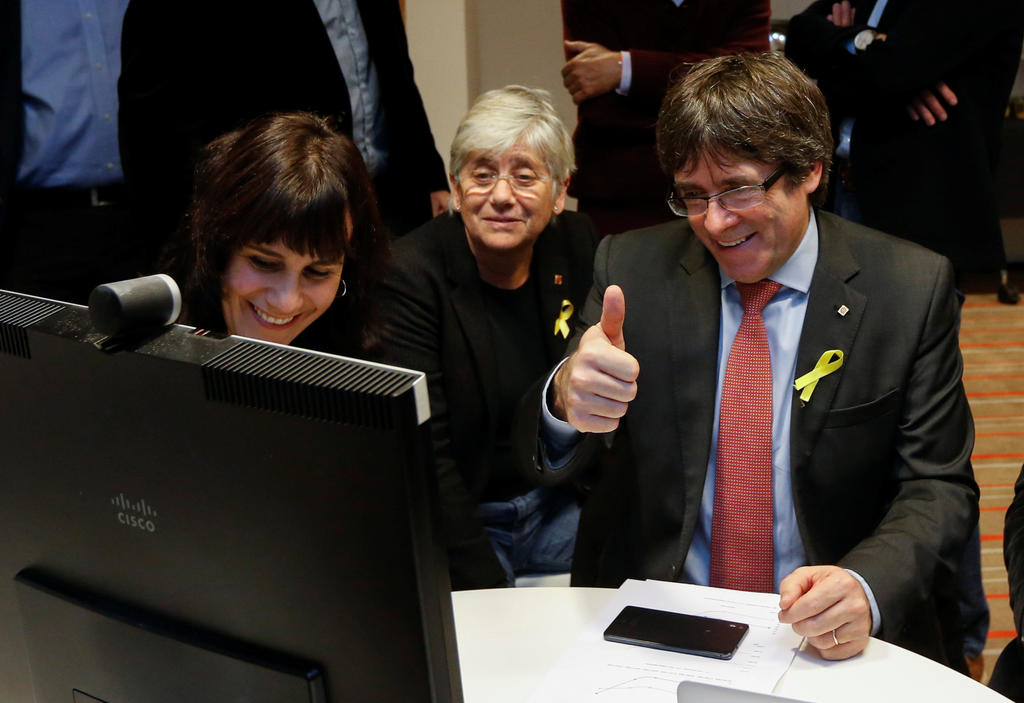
(562, 323)
(828, 362)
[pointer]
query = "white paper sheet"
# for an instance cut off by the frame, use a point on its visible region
(608, 672)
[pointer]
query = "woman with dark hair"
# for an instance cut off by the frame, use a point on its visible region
(282, 241)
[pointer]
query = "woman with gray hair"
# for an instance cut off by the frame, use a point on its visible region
(482, 299)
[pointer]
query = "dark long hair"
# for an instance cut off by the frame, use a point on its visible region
(289, 178)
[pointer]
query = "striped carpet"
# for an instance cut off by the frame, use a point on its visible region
(992, 342)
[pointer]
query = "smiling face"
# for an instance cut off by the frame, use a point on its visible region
(749, 245)
(504, 219)
(273, 293)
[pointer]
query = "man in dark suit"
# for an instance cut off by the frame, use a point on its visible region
(917, 91)
(868, 435)
(193, 70)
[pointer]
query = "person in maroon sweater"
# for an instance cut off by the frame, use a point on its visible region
(621, 58)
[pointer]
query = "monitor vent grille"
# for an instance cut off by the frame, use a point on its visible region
(17, 313)
(284, 380)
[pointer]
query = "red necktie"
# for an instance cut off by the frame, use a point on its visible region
(742, 553)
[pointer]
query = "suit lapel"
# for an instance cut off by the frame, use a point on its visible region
(695, 317)
(824, 329)
(470, 310)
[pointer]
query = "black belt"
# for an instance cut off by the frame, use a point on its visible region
(67, 198)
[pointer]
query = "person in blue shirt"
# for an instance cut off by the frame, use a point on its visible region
(62, 220)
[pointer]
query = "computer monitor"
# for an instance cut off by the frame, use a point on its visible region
(194, 517)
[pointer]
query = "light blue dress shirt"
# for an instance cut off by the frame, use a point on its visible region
(348, 38)
(784, 321)
(70, 59)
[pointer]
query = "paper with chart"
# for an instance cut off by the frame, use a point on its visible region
(608, 672)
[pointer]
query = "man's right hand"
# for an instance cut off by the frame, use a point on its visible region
(592, 390)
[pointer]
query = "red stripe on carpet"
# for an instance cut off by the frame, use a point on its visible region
(998, 634)
(994, 394)
(974, 345)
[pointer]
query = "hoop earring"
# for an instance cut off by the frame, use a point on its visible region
(344, 289)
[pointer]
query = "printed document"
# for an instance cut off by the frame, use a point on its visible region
(609, 672)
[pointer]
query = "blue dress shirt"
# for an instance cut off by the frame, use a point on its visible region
(71, 59)
(348, 38)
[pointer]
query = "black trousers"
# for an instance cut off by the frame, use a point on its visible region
(63, 252)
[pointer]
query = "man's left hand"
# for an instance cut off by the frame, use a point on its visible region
(438, 201)
(931, 106)
(593, 70)
(826, 604)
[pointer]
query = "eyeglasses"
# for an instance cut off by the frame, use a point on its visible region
(524, 182)
(733, 200)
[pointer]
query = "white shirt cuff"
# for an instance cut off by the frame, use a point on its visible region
(876, 616)
(627, 73)
(558, 439)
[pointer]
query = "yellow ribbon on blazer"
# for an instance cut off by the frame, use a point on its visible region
(828, 362)
(562, 322)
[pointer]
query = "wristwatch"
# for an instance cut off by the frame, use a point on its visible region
(863, 39)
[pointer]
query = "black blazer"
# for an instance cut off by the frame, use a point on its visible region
(880, 468)
(192, 70)
(932, 185)
(435, 321)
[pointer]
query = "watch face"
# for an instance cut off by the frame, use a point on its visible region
(863, 39)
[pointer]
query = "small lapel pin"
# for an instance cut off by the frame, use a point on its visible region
(842, 310)
(558, 279)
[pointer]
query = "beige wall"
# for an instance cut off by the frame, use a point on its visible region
(461, 48)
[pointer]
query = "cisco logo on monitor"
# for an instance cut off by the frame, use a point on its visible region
(134, 515)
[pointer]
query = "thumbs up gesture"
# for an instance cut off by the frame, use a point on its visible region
(592, 390)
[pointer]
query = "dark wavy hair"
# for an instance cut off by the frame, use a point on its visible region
(757, 107)
(287, 178)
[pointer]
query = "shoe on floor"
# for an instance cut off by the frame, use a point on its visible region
(1008, 293)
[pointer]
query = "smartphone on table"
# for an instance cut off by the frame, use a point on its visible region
(677, 632)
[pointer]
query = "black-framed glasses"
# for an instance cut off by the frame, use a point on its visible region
(733, 200)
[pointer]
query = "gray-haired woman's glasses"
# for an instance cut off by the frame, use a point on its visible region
(733, 200)
(524, 182)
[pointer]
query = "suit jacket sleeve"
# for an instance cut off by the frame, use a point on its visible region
(1013, 552)
(934, 502)
(411, 143)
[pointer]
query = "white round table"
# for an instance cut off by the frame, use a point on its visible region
(508, 638)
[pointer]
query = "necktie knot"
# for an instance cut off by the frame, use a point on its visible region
(756, 295)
